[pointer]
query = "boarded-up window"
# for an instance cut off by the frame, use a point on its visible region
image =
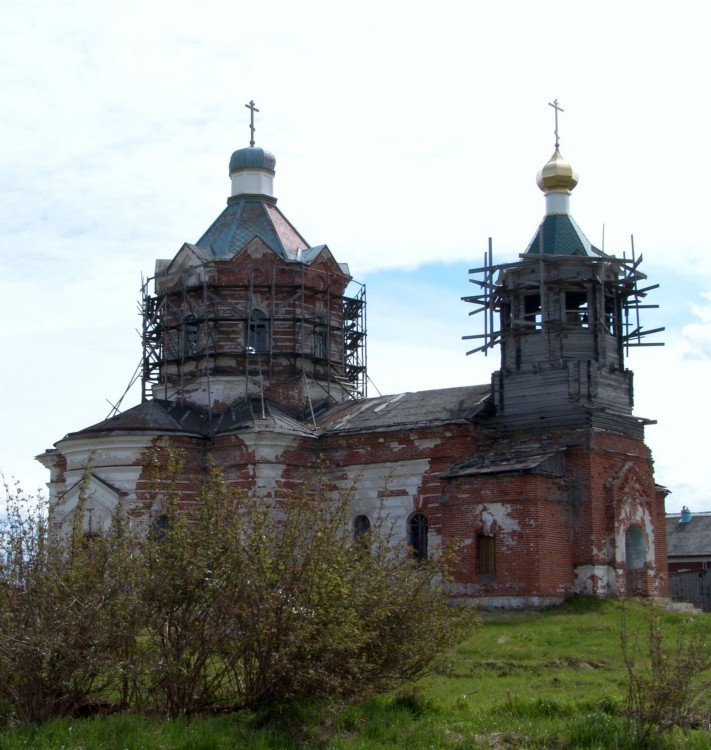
(486, 555)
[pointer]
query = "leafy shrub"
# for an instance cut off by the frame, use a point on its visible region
(236, 602)
(666, 685)
(60, 599)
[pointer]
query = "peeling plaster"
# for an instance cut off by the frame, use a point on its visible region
(595, 580)
(497, 517)
(425, 444)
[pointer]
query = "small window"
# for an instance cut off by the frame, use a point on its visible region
(190, 336)
(159, 527)
(532, 310)
(576, 309)
(361, 524)
(319, 343)
(258, 339)
(417, 535)
(486, 555)
(610, 315)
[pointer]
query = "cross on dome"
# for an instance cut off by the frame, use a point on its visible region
(557, 109)
(252, 109)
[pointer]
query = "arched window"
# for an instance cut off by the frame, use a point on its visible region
(417, 535)
(319, 343)
(258, 338)
(361, 524)
(635, 548)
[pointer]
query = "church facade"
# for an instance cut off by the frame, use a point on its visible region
(254, 358)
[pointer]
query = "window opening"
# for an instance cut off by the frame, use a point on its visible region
(361, 524)
(532, 310)
(417, 535)
(635, 548)
(160, 527)
(258, 339)
(576, 309)
(486, 554)
(190, 340)
(610, 314)
(319, 342)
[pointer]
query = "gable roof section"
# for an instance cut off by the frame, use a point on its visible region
(189, 256)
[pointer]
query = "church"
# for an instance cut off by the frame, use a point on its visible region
(254, 358)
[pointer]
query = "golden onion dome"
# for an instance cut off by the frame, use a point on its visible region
(557, 174)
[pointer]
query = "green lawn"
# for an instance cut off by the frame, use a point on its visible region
(549, 679)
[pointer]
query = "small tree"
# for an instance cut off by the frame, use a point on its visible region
(58, 602)
(666, 685)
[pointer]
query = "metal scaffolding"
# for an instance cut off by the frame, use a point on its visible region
(625, 290)
(195, 324)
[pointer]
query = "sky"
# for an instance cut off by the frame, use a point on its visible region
(406, 134)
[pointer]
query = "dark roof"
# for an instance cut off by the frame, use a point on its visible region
(561, 236)
(158, 416)
(403, 410)
(247, 218)
(691, 539)
(417, 409)
(515, 459)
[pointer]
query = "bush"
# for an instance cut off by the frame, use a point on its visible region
(666, 685)
(236, 602)
(61, 599)
(283, 603)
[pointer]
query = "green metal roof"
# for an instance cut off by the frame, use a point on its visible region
(252, 157)
(560, 235)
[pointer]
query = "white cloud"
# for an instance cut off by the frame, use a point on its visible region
(405, 133)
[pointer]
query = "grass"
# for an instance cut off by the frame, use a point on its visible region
(548, 679)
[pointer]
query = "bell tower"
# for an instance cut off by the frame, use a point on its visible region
(564, 314)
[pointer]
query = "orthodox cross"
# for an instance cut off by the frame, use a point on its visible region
(557, 109)
(252, 109)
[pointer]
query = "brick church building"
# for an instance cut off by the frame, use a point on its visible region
(254, 356)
